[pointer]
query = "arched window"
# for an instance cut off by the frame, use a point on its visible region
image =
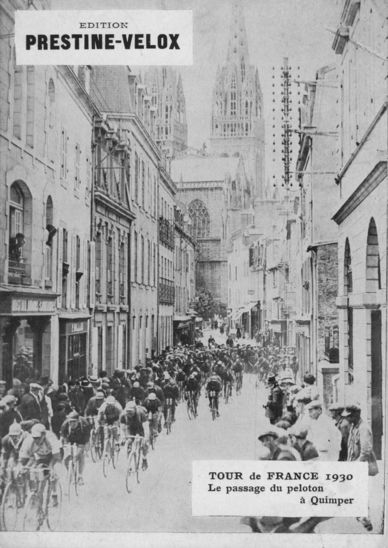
(373, 271)
(348, 276)
(200, 219)
(233, 102)
(51, 231)
(20, 222)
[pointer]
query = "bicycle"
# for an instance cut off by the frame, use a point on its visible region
(133, 454)
(168, 424)
(96, 443)
(191, 405)
(73, 474)
(13, 499)
(239, 382)
(44, 503)
(111, 451)
(153, 425)
(213, 407)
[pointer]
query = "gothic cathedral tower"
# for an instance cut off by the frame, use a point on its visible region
(237, 107)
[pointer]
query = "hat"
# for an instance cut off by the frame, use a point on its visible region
(15, 429)
(131, 406)
(3, 382)
(85, 383)
(314, 405)
(298, 432)
(110, 399)
(37, 430)
(271, 378)
(309, 378)
(73, 415)
(350, 408)
(93, 380)
(269, 432)
(150, 384)
(35, 386)
(152, 396)
(100, 395)
(9, 398)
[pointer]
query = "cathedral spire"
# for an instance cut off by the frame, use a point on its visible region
(238, 43)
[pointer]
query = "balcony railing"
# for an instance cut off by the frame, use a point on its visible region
(17, 273)
(166, 291)
(166, 232)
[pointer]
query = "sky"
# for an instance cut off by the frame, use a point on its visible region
(275, 29)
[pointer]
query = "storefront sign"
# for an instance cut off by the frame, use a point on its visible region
(27, 305)
(78, 327)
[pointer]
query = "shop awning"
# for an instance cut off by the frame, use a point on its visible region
(182, 318)
(74, 316)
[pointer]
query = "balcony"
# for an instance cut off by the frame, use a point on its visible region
(166, 233)
(166, 291)
(17, 273)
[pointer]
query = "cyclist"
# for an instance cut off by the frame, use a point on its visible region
(228, 382)
(137, 393)
(192, 386)
(171, 392)
(41, 448)
(10, 447)
(131, 421)
(153, 405)
(238, 371)
(109, 415)
(75, 429)
(214, 384)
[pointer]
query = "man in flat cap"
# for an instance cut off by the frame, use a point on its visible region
(323, 433)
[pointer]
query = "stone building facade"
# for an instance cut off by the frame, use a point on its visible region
(361, 214)
(237, 125)
(45, 197)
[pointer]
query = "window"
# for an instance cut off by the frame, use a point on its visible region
(64, 139)
(142, 184)
(142, 260)
(109, 266)
(51, 121)
(77, 157)
(30, 111)
(154, 265)
(200, 219)
(348, 281)
(122, 270)
(17, 100)
(135, 265)
(51, 231)
(136, 177)
(98, 262)
(149, 262)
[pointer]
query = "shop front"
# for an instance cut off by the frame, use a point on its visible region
(73, 347)
(184, 330)
(27, 334)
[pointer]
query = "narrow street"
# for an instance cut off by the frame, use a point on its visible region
(162, 500)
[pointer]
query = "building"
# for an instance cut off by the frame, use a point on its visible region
(128, 107)
(45, 197)
(203, 183)
(167, 97)
(111, 228)
(361, 214)
(166, 241)
(237, 125)
(184, 277)
(316, 321)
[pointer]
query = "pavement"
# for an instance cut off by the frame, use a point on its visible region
(161, 502)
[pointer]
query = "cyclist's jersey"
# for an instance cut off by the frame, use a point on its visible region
(11, 449)
(40, 450)
(214, 384)
(192, 385)
(238, 366)
(152, 405)
(134, 423)
(109, 413)
(93, 406)
(79, 433)
(171, 391)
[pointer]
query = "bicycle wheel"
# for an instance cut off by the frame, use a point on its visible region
(9, 507)
(132, 475)
(168, 421)
(93, 445)
(190, 412)
(54, 505)
(69, 479)
(115, 450)
(106, 459)
(32, 513)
